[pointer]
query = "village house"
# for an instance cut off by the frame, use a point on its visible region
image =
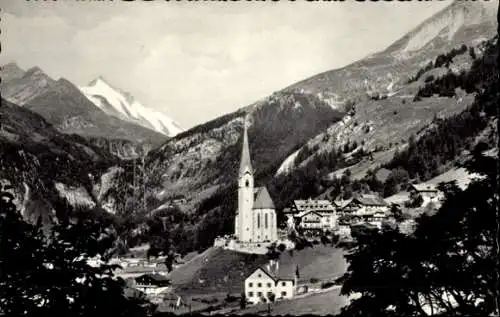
(428, 192)
(313, 214)
(344, 228)
(310, 220)
(151, 284)
(366, 208)
(270, 279)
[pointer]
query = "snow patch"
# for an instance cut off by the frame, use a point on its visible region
(288, 164)
(129, 109)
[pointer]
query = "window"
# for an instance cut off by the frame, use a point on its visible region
(259, 294)
(259, 284)
(283, 294)
(250, 284)
(259, 275)
(265, 219)
(258, 220)
(282, 284)
(268, 284)
(250, 294)
(247, 183)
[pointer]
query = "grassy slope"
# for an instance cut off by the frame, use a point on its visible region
(328, 303)
(224, 270)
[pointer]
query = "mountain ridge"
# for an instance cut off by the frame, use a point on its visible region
(383, 72)
(123, 105)
(63, 105)
(24, 86)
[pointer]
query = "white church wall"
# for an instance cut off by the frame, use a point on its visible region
(261, 231)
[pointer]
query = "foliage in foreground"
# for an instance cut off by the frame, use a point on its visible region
(446, 268)
(44, 272)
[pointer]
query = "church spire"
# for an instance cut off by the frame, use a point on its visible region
(245, 163)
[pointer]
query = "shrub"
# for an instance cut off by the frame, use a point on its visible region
(281, 247)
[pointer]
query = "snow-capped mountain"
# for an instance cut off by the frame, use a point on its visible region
(124, 106)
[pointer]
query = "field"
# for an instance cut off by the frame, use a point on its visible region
(327, 303)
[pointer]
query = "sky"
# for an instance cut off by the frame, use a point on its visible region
(195, 61)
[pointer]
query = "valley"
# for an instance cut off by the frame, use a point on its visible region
(376, 146)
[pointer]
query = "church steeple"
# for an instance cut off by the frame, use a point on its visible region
(245, 163)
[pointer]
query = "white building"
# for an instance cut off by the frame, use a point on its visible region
(313, 214)
(368, 208)
(311, 220)
(267, 280)
(151, 284)
(255, 219)
(366, 205)
(428, 192)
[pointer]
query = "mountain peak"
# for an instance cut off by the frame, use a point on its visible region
(123, 105)
(11, 71)
(12, 66)
(35, 71)
(99, 80)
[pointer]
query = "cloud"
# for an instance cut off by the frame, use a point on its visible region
(195, 61)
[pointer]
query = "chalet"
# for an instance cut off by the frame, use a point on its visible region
(428, 192)
(366, 204)
(311, 209)
(151, 284)
(311, 220)
(270, 279)
(364, 209)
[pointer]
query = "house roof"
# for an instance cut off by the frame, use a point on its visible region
(424, 187)
(152, 277)
(303, 213)
(364, 225)
(281, 274)
(342, 203)
(316, 204)
(398, 198)
(277, 272)
(245, 163)
(370, 200)
(262, 199)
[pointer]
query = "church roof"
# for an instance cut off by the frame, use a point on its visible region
(262, 199)
(245, 154)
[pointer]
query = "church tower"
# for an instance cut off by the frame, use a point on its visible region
(244, 217)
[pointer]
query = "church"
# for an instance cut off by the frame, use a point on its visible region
(255, 219)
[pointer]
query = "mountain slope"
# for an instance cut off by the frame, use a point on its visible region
(463, 22)
(21, 87)
(45, 167)
(64, 106)
(451, 108)
(375, 97)
(200, 160)
(122, 105)
(382, 86)
(10, 72)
